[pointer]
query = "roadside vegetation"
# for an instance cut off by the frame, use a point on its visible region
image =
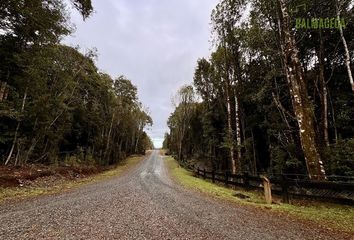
(270, 99)
(60, 184)
(328, 215)
(56, 106)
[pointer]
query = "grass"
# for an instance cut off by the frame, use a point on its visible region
(20, 193)
(328, 215)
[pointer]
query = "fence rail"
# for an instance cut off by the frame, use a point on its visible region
(340, 192)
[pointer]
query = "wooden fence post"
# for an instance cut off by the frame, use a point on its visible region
(204, 174)
(198, 172)
(284, 189)
(267, 190)
(226, 178)
(213, 176)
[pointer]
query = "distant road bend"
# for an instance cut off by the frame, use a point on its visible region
(144, 203)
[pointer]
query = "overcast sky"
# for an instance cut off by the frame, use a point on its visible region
(154, 43)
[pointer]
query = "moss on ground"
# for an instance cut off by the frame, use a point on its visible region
(20, 193)
(328, 215)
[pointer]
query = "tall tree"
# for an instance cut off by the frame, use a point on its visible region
(272, 96)
(184, 103)
(339, 8)
(298, 90)
(54, 103)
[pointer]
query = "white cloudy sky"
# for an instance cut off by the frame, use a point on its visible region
(155, 43)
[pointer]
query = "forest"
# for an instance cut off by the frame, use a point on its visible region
(271, 98)
(55, 104)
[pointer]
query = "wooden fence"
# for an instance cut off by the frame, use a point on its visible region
(284, 185)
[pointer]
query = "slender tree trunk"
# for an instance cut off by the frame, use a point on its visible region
(17, 129)
(347, 54)
(230, 131)
(333, 118)
(254, 168)
(13, 144)
(37, 138)
(180, 150)
(302, 106)
(323, 94)
(17, 154)
(120, 147)
(136, 143)
(126, 146)
(141, 127)
(3, 86)
(109, 136)
(31, 149)
(132, 145)
(230, 117)
(238, 128)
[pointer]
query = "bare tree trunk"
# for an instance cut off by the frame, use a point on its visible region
(140, 130)
(17, 155)
(109, 136)
(30, 150)
(238, 129)
(347, 54)
(230, 117)
(120, 147)
(254, 167)
(37, 138)
(230, 131)
(137, 142)
(323, 94)
(2, 91)
(17, 129)
(180, 150)
(126, 148)
(333, 119)
(302, 106)
(133, 141)
(180, 136)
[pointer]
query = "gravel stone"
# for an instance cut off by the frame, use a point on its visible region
(145, 203)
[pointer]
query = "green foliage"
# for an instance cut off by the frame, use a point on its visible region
(180, 120)
(84, 6)
(340, 158)
(247, 65)
(55, 106)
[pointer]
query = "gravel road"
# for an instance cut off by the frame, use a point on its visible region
(145, 204)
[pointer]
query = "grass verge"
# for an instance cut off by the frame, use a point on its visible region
(332, 216)
(21, 193)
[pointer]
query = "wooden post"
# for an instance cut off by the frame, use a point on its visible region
(267, 190)
(198, 172)
(226, 178)
(204, 174)
(213, 176)
(284, 189)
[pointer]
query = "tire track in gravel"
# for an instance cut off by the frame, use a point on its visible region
(145, 204)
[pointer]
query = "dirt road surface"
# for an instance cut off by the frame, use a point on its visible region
(145, 203)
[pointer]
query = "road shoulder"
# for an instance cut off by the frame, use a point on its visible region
(329, 216)
(16, 194)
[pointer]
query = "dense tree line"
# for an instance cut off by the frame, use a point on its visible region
(273, 97)
(54, 102)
